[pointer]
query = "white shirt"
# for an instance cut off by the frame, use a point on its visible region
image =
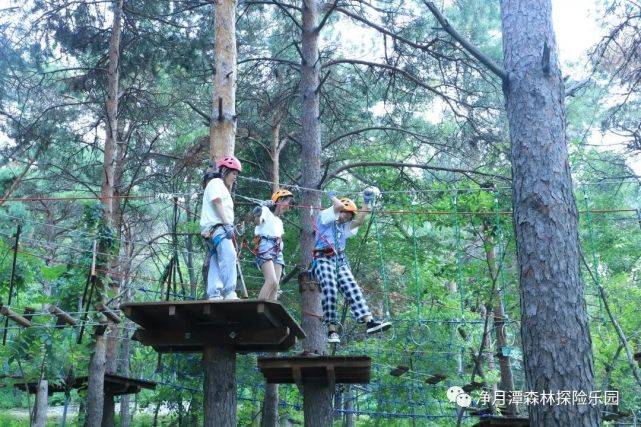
(329, 215)
(270, 225)
(215, 189)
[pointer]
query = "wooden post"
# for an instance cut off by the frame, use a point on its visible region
(10, 314)
(40, 408)
(108, 411)
(269, 416)
(63, 423)
(219, 364)
(62, 316)
(96, 386)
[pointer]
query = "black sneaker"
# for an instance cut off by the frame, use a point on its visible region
(374, 326)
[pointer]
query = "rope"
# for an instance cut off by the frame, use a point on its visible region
(595, 262)
(457, 237)
(383, 270)
(416, 272)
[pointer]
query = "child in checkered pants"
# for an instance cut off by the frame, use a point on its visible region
(334, 226)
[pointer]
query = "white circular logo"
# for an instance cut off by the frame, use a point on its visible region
(463, 400)
(452, 392)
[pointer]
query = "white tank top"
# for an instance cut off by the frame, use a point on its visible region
(270, 225)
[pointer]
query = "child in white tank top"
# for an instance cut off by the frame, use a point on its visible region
(269, 235)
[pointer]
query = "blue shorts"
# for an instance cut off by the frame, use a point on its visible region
(269, 249)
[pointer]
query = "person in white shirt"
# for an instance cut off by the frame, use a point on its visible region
(269, 241)
(217, 228)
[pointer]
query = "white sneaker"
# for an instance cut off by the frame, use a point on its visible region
(216, 298)
(231, 296)
(333, 338)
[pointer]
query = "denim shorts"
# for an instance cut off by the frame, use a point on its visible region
(269, 250)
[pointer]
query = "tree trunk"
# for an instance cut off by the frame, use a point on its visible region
(554, 324)
(95, 389)
(108, 412)
(127, 325)
(507, 380)
(193, 411)
(222, 132)
(156, 411)
(348, 404)
(40, 408)
(269, 416)
(317, 404)
(111, 138)
(219, 365)
(65, 409)
(95, 392)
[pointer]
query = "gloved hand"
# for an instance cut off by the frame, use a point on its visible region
(240, 228)
(229, 230)
(331, 194)
(368, 196)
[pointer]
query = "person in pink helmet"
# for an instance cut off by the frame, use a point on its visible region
(217, 228)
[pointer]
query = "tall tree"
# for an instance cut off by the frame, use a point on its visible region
(223, 119)
(220, 363)
(317, 399)
(97, 365)
(554, 322)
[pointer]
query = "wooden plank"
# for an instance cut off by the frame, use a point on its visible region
(317, 369)
(119, 379)
(62, 316)
(435, 379)
(154, 315)
(28, 313)
(331, 376)
(298, 377)
(263, 311)
(6, 311)
(109, 314)
(399, 370)
(196, 340)
(115, 385)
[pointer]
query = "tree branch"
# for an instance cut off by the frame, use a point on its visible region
(199, 111)
(465, 172)
(381, 128)
(326, 17)
(405, 74)
(473, 50)
(286, 12)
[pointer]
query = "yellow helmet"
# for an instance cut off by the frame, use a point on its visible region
(348, 205)
(281, 193)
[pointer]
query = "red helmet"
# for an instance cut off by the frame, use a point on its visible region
(230, 162)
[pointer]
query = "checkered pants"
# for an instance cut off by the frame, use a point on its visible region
(325, 272)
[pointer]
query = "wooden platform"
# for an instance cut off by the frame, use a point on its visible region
(503, 422)
(317, 369)
(115, 385)
(189, 326)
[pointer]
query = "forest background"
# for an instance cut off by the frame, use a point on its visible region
(403, 107)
